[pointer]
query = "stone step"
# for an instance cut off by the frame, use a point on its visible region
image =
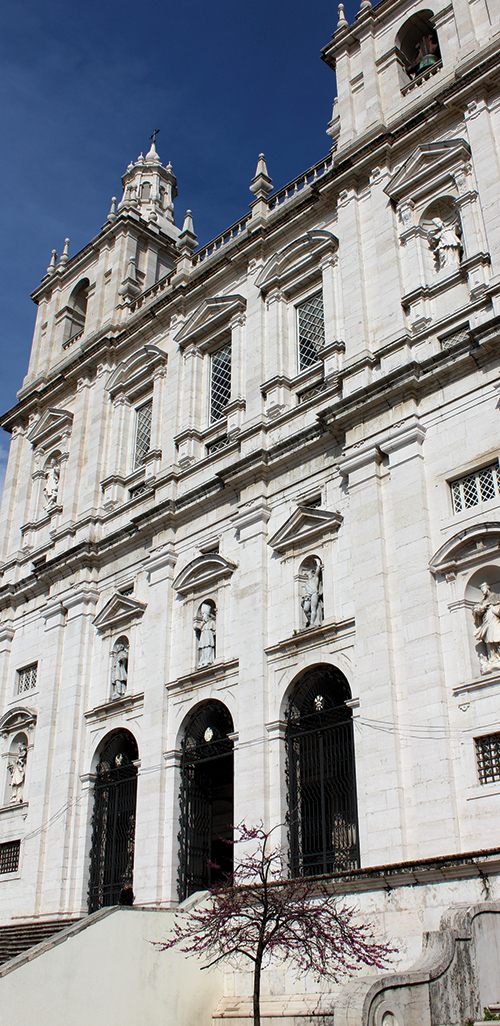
(19, 937)
(279, 1009)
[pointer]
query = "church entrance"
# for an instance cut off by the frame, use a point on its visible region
(113, 820)
(322, 805)
(206, 800)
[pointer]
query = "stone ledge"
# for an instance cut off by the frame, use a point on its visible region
(114, 706)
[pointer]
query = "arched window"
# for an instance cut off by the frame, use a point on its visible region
(77, 309)
(322, 805)
(206, 799)
(418, 42)
(146, 191)
(113, 820)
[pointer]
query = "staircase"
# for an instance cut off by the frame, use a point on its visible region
(18, 937)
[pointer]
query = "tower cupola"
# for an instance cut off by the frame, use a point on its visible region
(150, 189)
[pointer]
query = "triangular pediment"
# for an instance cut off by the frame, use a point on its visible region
(209, 318)
(474, 545)
(118, 612)
(292, 261)
(53, 425)
(204, 573)
(131, 372)
(427, 162)
(17, 719)
(305, 524)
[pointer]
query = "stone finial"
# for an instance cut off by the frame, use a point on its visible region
(187, 241)
(261, 184)
(365, 6)
(65, 254)
(152, 156)
(53, 261)
(342, 22)
(129, 287)
(112, 211)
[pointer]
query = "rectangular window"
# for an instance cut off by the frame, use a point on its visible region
(220, 381)
(26, 678)
(475, 488)
(311, 321)
(143, 433)
(9, 856)
(488, 758)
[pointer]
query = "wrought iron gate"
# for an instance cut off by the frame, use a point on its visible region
(206, 800)
(113, 822)
(322, 806)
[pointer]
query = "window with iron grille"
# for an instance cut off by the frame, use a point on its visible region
(26, 678)
(143, 432)
(9, 856)
(488, 758)
(469, 491)
(311, 323)
(220, 381)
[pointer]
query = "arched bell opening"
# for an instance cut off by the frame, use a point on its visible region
(322, 803)
(113, 820)
(206, 800)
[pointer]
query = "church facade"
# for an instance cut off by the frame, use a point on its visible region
(251, 549)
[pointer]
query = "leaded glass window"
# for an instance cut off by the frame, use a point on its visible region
(488, 758)
(143, 432)
(220, 381)
(311, 322)
(475, 488)
(26, 678)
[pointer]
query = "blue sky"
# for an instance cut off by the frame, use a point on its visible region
(83, 87)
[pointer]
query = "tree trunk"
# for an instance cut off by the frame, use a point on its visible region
(256, 991)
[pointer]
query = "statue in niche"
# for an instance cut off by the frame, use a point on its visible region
(119, 669)
(486, 616)
(312, 598)
(51, 486)
(206, 634)
(17, 770)
(445, 242)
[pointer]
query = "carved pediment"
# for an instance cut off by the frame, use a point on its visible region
(209, 318)
(53, 425)
(305, 524)
(477, 544)
(15, 720)
(295, 259)
(427, 162)
(118, 612)
(204, 573)
(131, 372)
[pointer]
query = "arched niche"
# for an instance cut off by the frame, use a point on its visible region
(482, 595)
(16, 770)
(441, 223)
(322, 802)
(119, 666)
(418, 42)
(311, 600)
(206, 799)
(205, 626)
(77, 309)
(113, 819)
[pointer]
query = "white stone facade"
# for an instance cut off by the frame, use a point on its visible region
(155, 558)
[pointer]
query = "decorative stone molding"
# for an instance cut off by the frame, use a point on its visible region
(16, 720)
(210, 318)
(204, 573)
(430, 161)
(118, 612)
(214, 674)
(470, 547)
(296, 261)
(305, 525)
(130, 375)
(115, 707)
(53, 426)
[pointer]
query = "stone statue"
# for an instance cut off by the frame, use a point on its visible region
(312, 599)
(206, 635)
(119, 669)
(51, 486)
(487, 623)
(444, 240)
(17, 770)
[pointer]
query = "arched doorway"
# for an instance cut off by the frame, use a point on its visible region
(206, 799)
(322, 805)
(113, 820)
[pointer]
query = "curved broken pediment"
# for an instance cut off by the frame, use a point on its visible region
(306, 524)
(118, 612)
(204, 573)
(474, 544)
(131, 372)
(294, 260)
(17, 719)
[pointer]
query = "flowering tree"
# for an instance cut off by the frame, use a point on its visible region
(260, 915)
